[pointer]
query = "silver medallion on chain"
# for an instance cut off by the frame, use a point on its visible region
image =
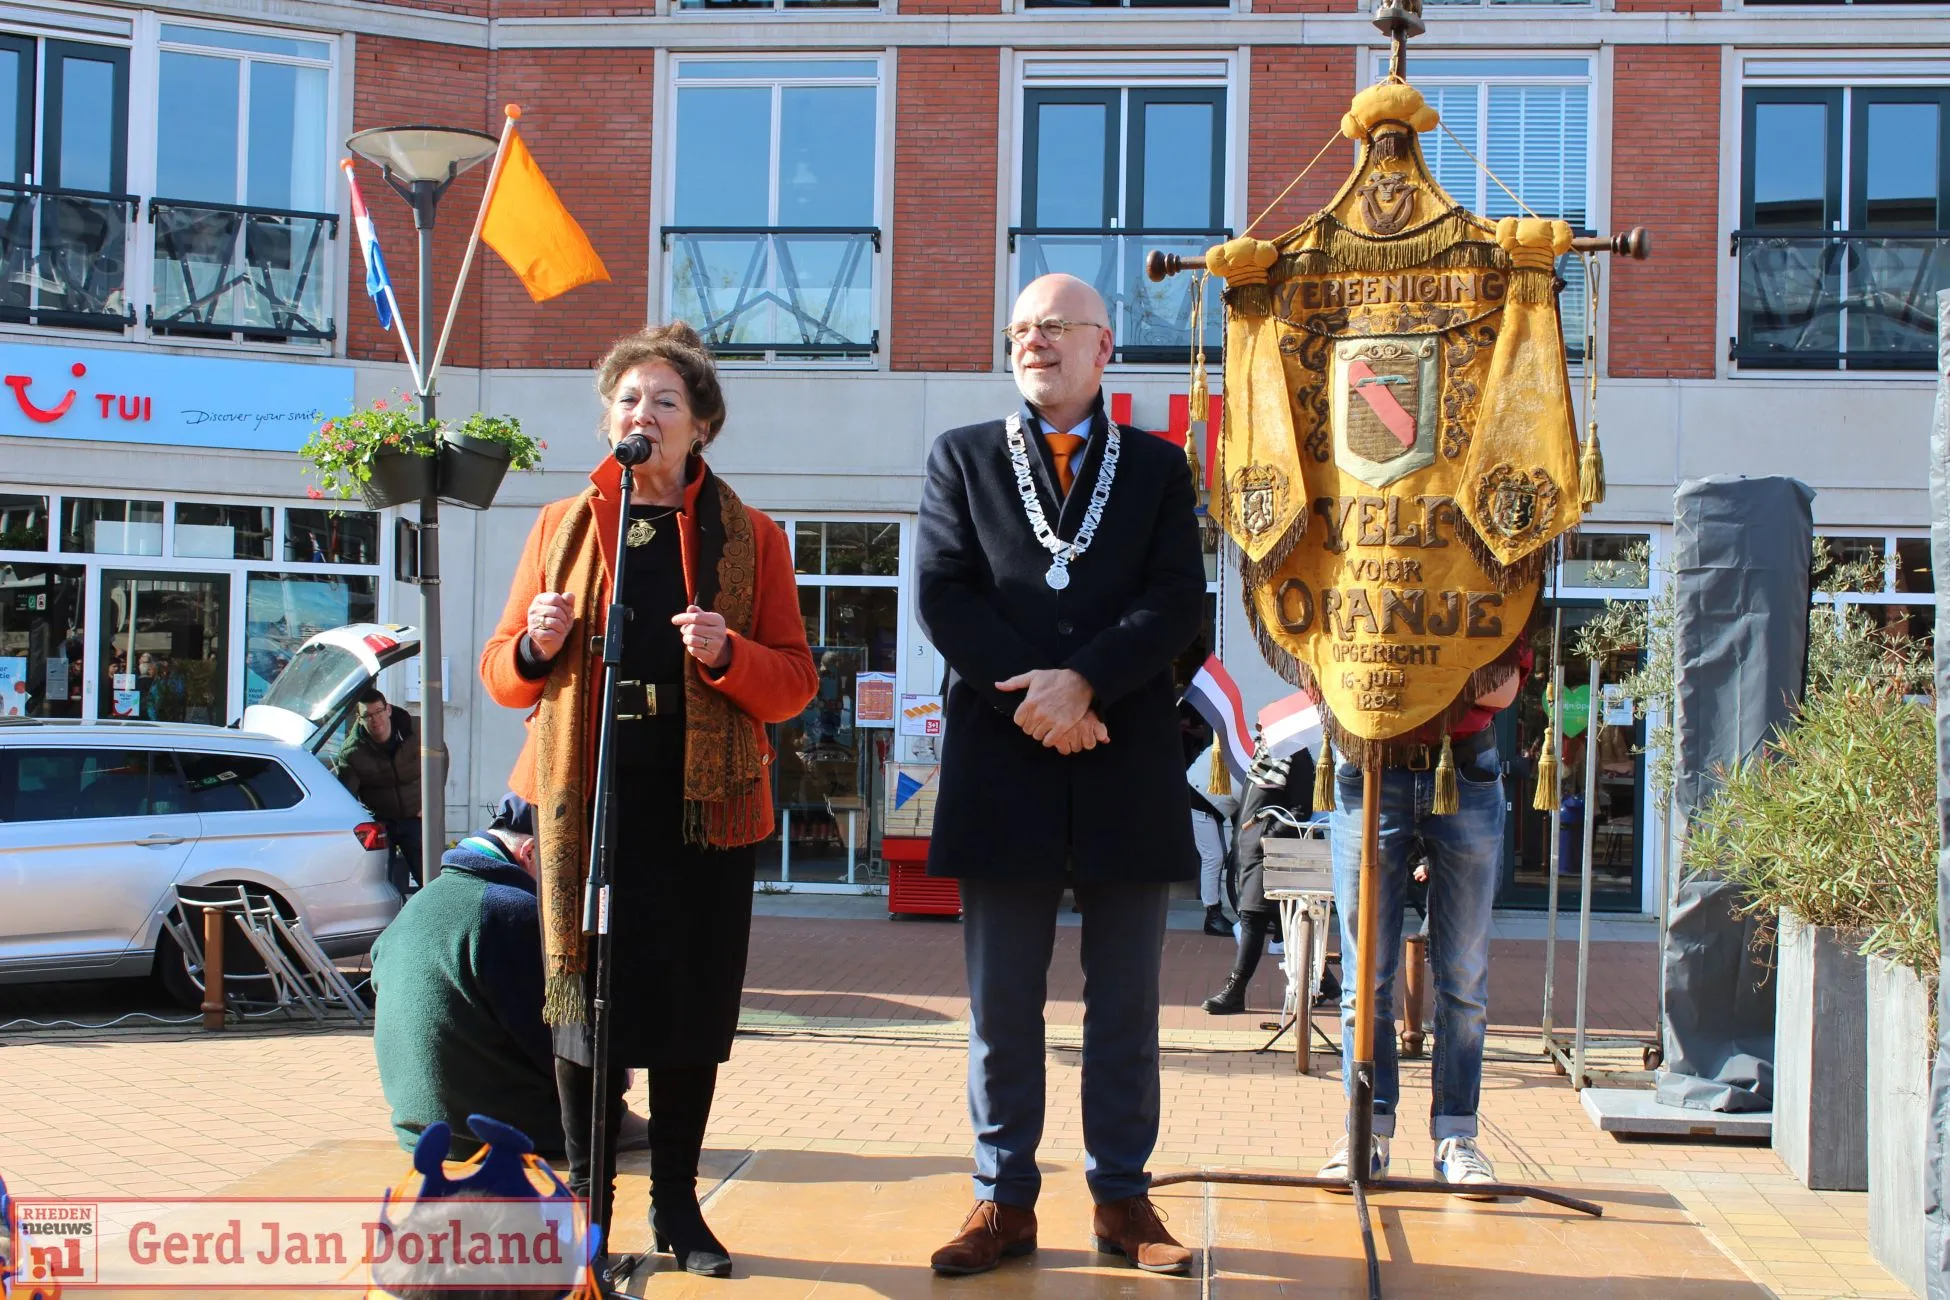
(1064, 553)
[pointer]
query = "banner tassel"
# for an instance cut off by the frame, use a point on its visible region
(1220, 782)
(1324, 779)
(1591, 470)
(1546, 798)
(1447, 798)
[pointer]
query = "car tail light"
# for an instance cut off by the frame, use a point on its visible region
(371, 835)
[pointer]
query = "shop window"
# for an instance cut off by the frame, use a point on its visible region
(847, 548)
(1843, 195)
(1529, 121)
(284, 610)
(774, 236)
(331, 536)
(164, 646)
(1607, 561)
(219, 783)
(1110, 173)
(41, 640)
(243, 214)
(99, 526)
(219, 532)
(1885, 576)
(23, 522)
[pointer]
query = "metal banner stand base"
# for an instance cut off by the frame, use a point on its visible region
(1360, 1112)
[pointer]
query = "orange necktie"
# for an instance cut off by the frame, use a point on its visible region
(1062, 446)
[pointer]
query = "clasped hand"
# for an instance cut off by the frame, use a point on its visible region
(1055, 709)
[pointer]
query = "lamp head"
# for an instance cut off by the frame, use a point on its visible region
(423, 153)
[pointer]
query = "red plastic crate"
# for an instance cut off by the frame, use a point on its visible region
(911, 891)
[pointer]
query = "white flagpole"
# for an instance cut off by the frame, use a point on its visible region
(473, 242)
(399, 317)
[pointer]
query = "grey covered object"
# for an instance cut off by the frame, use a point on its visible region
(1742, 553)
(1936, 1172)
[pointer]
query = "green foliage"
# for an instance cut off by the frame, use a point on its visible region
(1836, 822)
(1836, 819)
(341, 450)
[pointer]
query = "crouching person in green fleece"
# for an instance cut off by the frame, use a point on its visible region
(458, 975)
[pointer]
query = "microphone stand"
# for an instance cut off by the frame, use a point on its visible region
(602, 858)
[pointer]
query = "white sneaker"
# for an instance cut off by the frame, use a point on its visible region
(1274, 948)
(1459, 1161)
(1336, 1166)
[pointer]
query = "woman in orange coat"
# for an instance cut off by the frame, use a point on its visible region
(715, 649)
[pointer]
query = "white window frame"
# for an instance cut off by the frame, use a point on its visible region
(1888, 595)
(167, 564)
(858, 866)
(1655, 557)
(1428, 71)
(141, 36)
(665, 261)
(1038, 71)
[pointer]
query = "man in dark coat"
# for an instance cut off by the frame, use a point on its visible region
(380, 764)
(1060, 574)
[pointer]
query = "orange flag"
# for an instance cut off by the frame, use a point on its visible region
(535, 235)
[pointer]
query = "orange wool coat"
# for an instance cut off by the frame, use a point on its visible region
(770, 678)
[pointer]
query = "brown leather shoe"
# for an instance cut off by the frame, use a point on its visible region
(991, 1232)
(1134, 1228)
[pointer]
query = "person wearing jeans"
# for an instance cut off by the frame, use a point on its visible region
(1465, 856)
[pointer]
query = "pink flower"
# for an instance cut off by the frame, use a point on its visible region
(314, 494)
(379, 405)
(543, 444)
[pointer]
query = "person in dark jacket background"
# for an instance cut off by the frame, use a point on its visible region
(1278, 783)
(380, 765)
(458, 1027)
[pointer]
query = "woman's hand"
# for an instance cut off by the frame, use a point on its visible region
(550, 616)
(705, 637)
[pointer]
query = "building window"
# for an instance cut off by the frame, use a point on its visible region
(1903, 602)
(830, 772)
(774, 231)
(64, 215)
(1528, 121)
(1127, 4)
(242, 206)
(284, 610)
(1614, 565)
(1113, 168)
(767, 6)
(1842, 195)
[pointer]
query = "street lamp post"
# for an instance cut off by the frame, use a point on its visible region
(419, 163)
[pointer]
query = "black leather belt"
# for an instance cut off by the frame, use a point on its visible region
(1423, 758)
(636, 701)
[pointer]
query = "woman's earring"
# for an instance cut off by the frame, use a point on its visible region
(697, 447)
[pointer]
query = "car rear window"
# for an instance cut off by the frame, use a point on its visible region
(51, 785)
(237, 783)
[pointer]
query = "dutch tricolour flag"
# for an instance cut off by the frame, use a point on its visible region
(1216, 697)
(379, 286)
(1291, 724)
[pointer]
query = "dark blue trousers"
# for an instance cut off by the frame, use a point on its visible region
(1008, 933)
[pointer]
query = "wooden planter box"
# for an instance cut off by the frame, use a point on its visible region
(1821, 1066)
(1899, 1100)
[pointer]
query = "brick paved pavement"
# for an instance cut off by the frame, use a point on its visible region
(854, 1045)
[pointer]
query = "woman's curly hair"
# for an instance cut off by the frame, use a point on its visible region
(681, 348)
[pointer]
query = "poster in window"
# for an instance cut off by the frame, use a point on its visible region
(873, 700)
(920, 715)
(13, 686)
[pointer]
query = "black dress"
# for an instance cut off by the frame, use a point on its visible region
(681, 913)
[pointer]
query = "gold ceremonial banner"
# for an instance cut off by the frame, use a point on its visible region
(1399, 442)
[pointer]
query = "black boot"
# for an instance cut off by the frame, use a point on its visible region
(1231, 1000)
(680, 1108)
(1215, 922)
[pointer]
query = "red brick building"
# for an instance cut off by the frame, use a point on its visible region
(845, 195)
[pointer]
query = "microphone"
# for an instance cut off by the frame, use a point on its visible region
(633, 450)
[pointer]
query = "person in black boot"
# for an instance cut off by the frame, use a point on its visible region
(1284, 783)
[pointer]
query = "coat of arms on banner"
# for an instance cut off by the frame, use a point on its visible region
(1384, 413)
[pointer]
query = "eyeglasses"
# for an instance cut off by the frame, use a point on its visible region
(1053, 328)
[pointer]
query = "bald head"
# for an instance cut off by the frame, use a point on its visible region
(1060, 377)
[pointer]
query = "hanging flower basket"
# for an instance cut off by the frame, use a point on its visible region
(475, 457)
(388, 455)
(395, 478)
